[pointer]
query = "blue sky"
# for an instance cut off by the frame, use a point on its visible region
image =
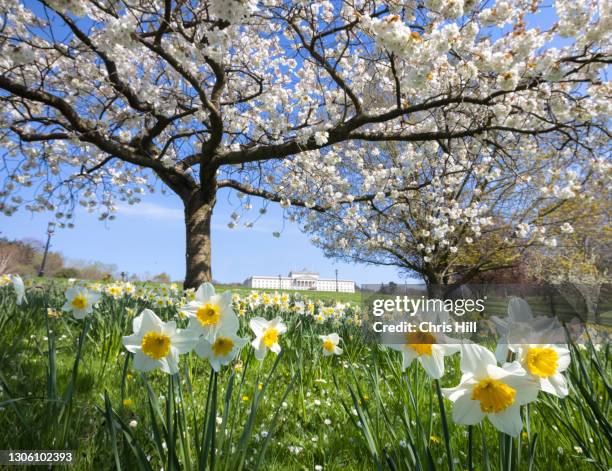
(150, 238)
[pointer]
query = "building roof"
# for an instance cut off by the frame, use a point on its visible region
(276, 277)
(303, 272)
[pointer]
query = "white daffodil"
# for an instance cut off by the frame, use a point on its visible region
(19, 288)
(429, 349)
(545, 363)
(221, 351)
(80, 301)
(266, 335)
(330, 344)
(488, 390)
(520, 327)
(157, 344)
(5, 280)
(211, 314)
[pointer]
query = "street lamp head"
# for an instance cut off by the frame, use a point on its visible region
(51, 228)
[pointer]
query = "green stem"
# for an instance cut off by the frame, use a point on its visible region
(69, 394)
(449, 454)
(470, 447)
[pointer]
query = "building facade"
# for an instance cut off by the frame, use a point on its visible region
(300, 280)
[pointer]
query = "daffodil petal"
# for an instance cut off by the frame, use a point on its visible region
(556, 385)
(148, 321)
(467, 411)
(408, 356)
(258, 325)
(475, 359)
(205, 292)
(508, 421)
(144, 362)
(519, 310)
(185, 339)
(133, 342)
(433, 364)
(203, 348)
(260, 353)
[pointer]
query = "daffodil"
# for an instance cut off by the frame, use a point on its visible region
(488, 390)
(5, 280)
(19, 288)
(254, 299)
(545, 363)
(190, 294)
(211, 314)
(330, 344)
(157, 344)
(115, 291)
(266, 335)
(521, 327)
(221, 351)
(429, 349)
(80, 301)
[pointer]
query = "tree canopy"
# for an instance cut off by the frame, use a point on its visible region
(106, 99)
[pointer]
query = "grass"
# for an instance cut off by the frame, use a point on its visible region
(69, 384)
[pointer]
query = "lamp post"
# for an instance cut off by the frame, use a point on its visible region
(50, 231)
(336, 280)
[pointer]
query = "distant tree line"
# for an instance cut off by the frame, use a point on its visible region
(25, 257)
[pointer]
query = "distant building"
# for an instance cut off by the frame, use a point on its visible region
(300, 280)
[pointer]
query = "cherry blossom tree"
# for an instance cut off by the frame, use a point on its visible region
(470, 211)
(106, 100)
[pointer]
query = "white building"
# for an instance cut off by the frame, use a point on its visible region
(300, 280)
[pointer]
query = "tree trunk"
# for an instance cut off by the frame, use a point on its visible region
(438, 286)
(432, 282)
(198, 215)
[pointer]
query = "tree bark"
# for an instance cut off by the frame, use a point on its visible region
(198, 215)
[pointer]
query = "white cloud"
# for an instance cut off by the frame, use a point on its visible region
(151, 211)
(165, 213)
